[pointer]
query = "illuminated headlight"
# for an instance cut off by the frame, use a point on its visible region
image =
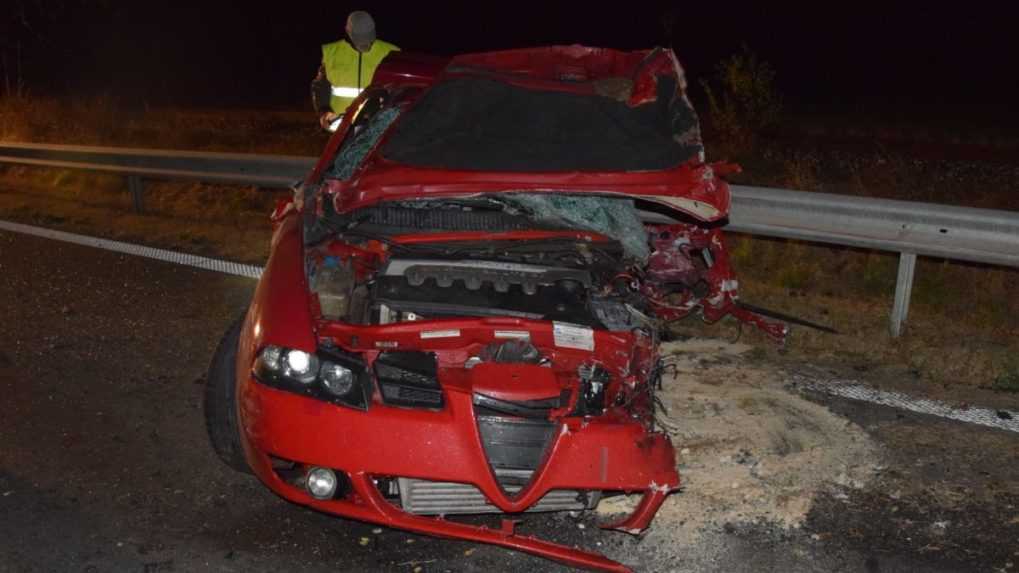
(300, 366)
(331, 374)
(338, 380)
(295, 365)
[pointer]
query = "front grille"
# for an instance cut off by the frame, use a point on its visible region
(514, 443)
(423, 497)
(515, 447)
(407, 396)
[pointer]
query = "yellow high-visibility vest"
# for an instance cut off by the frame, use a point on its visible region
(340, 61)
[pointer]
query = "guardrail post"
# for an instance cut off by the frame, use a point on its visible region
(137, 189)
(903, 290)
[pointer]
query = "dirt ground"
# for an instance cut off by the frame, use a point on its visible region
(104, 464)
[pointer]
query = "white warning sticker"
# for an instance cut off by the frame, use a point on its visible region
(572, 336)
(521, 334)
(440, 333)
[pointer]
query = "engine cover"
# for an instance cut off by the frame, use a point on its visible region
(437, 289)
(500, 275)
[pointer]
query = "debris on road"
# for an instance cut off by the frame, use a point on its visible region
(751, 452)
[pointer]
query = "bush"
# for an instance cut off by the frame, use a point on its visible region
(1008, 379)
(746, 101)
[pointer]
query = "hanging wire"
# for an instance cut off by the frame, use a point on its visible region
(739, 332)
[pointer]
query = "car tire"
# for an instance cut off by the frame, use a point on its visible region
(220, 401)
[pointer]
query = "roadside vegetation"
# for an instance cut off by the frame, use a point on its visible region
(742, 100)
(106, 121)
(964, 318)
(963, 325)
(1008, 379)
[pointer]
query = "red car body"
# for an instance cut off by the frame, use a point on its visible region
(595, 430)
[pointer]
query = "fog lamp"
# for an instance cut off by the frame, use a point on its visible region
(321, 483)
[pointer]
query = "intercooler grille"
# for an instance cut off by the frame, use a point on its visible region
(424, 497)
(514, 447)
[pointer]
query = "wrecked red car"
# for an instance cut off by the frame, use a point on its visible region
(462, 307)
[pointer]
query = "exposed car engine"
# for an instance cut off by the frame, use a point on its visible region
(578, 276)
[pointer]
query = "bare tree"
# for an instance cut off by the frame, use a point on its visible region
(30, 27)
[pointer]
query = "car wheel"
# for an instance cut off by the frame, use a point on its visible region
(220, 401)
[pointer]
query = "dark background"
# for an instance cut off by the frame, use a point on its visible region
(917, 60)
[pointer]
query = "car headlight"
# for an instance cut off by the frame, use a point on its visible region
(331, 375)
(338, 380)
(300, 366)
(271, 357)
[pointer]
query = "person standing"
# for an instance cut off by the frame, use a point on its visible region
(347, 68)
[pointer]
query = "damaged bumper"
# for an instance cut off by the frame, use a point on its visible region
(608, 453)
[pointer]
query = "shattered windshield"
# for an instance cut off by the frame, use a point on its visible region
(363, 138)
(613, 217)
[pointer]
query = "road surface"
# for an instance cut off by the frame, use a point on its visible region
(104, 463)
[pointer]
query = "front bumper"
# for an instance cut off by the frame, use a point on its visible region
(607, 453)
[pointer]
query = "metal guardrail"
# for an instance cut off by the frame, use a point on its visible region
(961, 233)
(140, 164)
(904, 227)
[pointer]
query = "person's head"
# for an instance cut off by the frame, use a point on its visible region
(361, 30)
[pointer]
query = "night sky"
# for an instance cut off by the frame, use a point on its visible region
(899, 60)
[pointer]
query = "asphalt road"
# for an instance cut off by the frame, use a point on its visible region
(104, 463)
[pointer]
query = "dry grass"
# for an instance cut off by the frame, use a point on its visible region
(229, 221)
(102, 121)
(224, 221)
(963, 323)
(1008, 379)
(964, 319)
